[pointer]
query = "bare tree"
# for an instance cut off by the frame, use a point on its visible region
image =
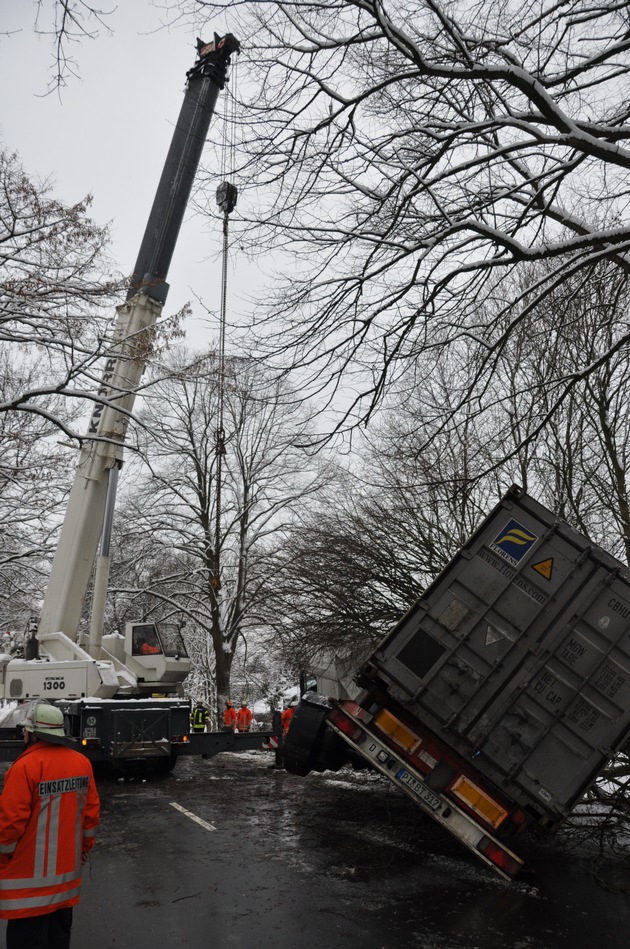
(568, 443)
(33, 486)
(214, 505)
(52, 260)
(52, 289)
(413, 157)
(382, 533)
(395, 522)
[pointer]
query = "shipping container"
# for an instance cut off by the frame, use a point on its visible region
(519, 654)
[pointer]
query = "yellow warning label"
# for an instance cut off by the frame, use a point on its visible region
(544, 568)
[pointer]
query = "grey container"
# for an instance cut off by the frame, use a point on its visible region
(518, 656)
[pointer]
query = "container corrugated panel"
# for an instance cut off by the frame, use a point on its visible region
(518, 655)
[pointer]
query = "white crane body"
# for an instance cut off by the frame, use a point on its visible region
(58, 663)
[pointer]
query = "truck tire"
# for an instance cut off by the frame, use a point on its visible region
(309, 745)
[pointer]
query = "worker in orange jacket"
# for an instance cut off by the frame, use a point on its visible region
(49, 812)
(229, 716)
(149, 649)
(287, 715)
(244, 718)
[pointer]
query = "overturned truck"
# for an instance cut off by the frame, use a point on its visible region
(500, 696)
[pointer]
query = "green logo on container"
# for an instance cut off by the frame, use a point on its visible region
(513, 542)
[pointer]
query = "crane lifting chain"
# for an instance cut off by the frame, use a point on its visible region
(227, 194)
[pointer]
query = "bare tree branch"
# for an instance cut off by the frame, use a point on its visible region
(68, 23)
(413, 159)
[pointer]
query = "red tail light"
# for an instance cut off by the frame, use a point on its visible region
(347, 726)
(503, 859)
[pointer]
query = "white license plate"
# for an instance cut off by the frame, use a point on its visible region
(419, 789)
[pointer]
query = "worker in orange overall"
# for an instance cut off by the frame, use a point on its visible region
(229, 716)
(244, 718)
(148, 649)
(287, 715)
(49, 812)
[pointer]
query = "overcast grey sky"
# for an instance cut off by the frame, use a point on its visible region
(108, 133)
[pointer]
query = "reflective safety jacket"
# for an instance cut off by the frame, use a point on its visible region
(49, 811)
(198, 718)
(287, 715)
(229, 717)
(243, 719)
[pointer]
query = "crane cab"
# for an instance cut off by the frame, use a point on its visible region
(154, 653)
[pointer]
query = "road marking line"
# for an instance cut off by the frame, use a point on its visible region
(198, 820)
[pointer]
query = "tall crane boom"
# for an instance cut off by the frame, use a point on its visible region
(101, 456)
(205, 80)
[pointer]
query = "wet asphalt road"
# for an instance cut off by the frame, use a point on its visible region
(330, 860)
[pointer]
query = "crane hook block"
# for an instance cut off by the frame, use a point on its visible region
(226, 197)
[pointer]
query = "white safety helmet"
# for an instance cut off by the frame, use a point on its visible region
(44, 720)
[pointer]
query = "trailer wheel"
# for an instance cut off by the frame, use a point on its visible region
(309, 745)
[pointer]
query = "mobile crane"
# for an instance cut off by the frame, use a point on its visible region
(104, 682)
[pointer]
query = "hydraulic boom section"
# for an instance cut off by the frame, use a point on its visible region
(205, 80)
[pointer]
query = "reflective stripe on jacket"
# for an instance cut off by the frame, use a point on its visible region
(49, 812)
(199, 717)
